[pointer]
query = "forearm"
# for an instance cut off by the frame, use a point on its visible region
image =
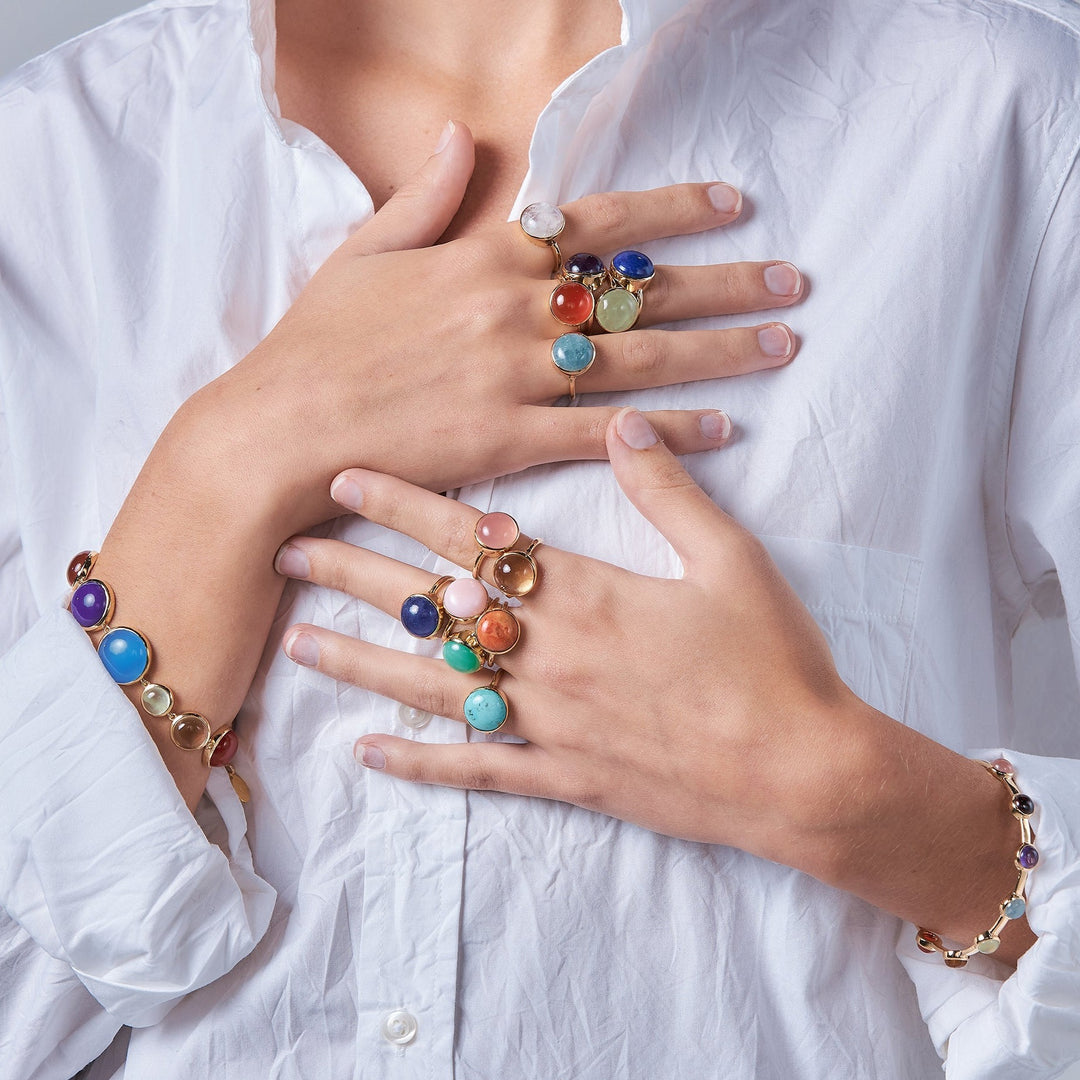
(913, 828)
(190, 560)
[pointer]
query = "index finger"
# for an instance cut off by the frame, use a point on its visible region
(445, 526)
(611, 220)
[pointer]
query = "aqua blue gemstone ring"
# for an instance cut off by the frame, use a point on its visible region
(573, 355)
(486, 708)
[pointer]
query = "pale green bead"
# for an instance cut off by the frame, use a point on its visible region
(617, 310)
(157, 700)
(987, 944)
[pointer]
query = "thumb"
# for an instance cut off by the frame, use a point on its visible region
(654, 480)
(420, 211)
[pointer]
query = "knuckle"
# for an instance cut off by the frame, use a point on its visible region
(594, 436)
(607, 212)
(474, 775)
(429, 693)
(642, 354)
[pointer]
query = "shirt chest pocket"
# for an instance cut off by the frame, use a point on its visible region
(864, 599)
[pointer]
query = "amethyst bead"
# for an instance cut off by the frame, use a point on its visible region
(585, 264)
(90, 603)
(1027, 857)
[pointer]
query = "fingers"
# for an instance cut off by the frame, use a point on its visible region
(582, 434)
(617, 219)
(479, 766)
(420, 211)
(656, 483)
(645, 358)
(423, 682)
(691, 292)
(443, 525)
(367, 575)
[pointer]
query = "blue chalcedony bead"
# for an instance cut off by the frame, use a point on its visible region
(485, 709)
(584, 263)
(90, 603)
(573, 353)
(1014, 908)
(125, 654)
(420, 615)
(634, 264)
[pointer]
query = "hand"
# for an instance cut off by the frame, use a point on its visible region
(706, 708)
(706, 740)
(432, 363)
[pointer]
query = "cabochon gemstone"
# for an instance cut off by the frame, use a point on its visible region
(496, 531)
(125, 654)
(634, 264)
(420, 615)
(1024, 805)
(584, 263)
(1027, 856)
(573, 353)
(497, 631)
(542, 221)
(225, 750)
(1003, 766)
(190, 731)
(460, 657)
(515, 573)
(987, 944)
(926, 940)
(617, 310)
(1014, 907)
(157, 700)
(486, 709)
(953, 959)
(465, 598)
(572, 304)
(90, 603)
(76, 565)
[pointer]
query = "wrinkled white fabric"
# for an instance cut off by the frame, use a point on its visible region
(915, 472)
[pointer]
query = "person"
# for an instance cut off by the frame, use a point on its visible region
(747, 776)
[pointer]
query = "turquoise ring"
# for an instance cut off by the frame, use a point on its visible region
(486, 708)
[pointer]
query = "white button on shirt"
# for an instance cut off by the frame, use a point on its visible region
(915, 472)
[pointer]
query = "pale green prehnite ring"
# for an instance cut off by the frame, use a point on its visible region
(617, 310)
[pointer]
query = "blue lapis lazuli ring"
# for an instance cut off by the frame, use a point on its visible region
(422, 614)
(632, 271)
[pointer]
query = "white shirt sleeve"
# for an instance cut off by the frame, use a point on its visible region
(102, 866)
(993, 1025)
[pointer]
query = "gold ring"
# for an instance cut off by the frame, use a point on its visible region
(573, 355)
(515, 572)
(542, 223)
(486, 708)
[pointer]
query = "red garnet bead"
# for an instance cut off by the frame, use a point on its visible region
(75, 566)
(226, 749)
(572, 304)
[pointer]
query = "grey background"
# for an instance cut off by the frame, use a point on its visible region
(29, 29)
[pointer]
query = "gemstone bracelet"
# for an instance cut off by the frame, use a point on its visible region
(1014, 905)
(127, 657)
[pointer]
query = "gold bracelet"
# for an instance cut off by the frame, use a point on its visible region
(127, 656)
(1015, 904)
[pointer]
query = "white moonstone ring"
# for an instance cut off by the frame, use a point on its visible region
(542, 223)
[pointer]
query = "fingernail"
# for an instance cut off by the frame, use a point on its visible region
(302, 648)
(445, 137)
(725, 198)
(775, 340)
(346, 491)
(369, 755)
(782, 279)
(635, 430)
(292, 562)
(715, 425)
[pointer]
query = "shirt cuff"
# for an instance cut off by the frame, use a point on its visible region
(100, 860)
(987, 1022)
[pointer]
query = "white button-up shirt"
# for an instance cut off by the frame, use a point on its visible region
(915, 472)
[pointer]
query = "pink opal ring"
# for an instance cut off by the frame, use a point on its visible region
(515, 572)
